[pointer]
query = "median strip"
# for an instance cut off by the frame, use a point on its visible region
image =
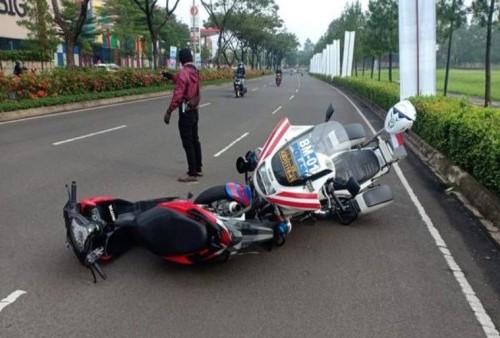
(88, 135)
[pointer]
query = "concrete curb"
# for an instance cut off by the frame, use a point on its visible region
(484, 204)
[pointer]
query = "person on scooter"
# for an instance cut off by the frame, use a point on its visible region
(279, 75)
(240, 73)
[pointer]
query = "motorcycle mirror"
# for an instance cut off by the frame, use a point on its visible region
(241, 165)
(329, 112)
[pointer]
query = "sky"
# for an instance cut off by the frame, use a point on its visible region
(306, 19)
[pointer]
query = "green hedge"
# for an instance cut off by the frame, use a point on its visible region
(60, 86)
(466, 134)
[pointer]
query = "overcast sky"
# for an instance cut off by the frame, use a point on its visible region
(306, 19)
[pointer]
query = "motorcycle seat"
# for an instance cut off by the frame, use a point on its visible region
(358, 164)
(167, 232)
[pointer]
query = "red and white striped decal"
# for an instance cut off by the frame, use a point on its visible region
(279, 130)
(296, 200)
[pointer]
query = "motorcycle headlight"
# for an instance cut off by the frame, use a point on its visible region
(79, 231)
(264, 182)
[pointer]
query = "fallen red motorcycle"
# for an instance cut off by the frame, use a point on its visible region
(176, 229)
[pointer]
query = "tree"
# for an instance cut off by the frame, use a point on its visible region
(70, 20)
(219, 13)
(125, 21)
(450, 17)
(382, 30)
(484, 15)
(156, 19)
(39, 23)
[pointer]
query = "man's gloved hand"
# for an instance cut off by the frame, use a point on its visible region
(167, 75)
(166, 118)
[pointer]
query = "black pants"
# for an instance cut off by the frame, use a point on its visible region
(188, 127)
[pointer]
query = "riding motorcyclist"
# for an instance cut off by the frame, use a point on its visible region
(279, 72)
(240, 73)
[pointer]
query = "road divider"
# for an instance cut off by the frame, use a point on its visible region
(88, 135)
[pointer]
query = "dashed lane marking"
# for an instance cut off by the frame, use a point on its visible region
(231, 144)
(11, 299)
(88, 135)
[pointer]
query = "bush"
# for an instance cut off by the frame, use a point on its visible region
(466, 134)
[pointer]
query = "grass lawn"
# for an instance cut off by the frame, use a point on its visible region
(468, 82)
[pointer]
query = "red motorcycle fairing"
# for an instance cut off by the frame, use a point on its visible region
(215, 229)
(93, 201)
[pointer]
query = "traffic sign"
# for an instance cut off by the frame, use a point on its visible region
(194, 10)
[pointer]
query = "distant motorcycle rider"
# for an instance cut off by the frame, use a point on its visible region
(240, 71)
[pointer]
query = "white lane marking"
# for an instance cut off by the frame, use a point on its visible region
(255, 89)
(232, 144)
(276, 110)
(291, 97)
(88, 135)
(11, 298)
(204, 105)
(474, 302)
(297, 90)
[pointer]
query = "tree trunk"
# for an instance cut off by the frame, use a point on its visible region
(379, 66)
(487, 85)
(448, 55)
(390, 66)
(373, 67)
(70, 57)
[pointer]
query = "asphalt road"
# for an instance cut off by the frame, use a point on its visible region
(421, 267)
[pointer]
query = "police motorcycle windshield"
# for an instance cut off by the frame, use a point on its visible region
(308, 156)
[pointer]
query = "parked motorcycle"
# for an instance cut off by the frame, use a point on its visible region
(326, 169)
(278, 79)
(176, 229)
(239, 88)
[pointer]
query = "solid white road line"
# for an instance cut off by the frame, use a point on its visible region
(205, 104)
(10, 299)
(276, 110)
(231, 144)
(474, 302)
(88, 135)
(291, 97)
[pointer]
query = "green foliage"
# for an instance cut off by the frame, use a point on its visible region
(383, 94)
(466, 134)
(24, 55)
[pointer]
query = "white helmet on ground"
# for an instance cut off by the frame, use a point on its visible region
(400, 117)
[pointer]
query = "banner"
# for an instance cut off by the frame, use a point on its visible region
(172, 60)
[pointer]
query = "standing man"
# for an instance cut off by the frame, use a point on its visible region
(186, 98)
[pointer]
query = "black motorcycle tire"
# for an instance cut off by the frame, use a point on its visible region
(212, 194)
